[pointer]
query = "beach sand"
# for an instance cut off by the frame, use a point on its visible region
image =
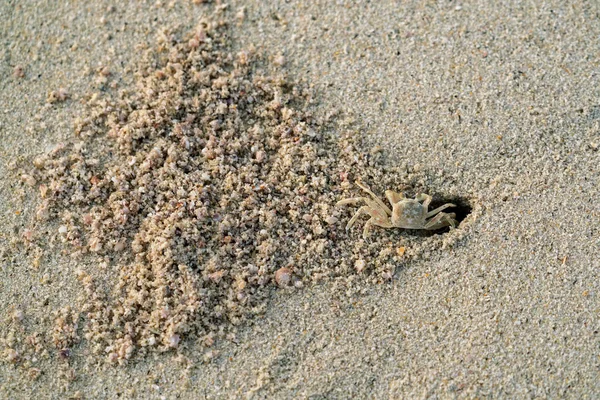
(496, 107)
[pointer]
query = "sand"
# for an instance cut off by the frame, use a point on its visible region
(494, 105)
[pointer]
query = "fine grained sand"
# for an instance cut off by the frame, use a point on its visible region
(500, 104)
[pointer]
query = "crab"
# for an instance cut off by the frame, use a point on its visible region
(405, 213)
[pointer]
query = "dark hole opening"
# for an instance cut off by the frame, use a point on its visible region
(462, 210)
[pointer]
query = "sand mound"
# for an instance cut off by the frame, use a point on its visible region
(206, 187)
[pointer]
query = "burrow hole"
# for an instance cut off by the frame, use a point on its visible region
(462, 210)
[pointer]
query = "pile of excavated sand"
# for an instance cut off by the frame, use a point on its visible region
(204, 188)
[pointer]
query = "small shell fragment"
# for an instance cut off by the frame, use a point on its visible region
(283, 276)
(360, 265)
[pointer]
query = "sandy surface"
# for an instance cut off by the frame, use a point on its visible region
(501, 104)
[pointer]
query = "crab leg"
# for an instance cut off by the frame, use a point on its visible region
(437, 210)
(353, 200)
(367, 229)
(377, 199)
(377, 222)
(441, 220)
(362, 210)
